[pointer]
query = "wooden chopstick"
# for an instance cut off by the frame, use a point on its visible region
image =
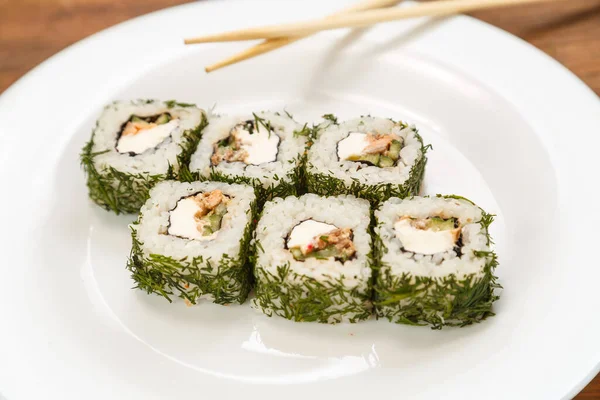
(360, 19)
(273, 44)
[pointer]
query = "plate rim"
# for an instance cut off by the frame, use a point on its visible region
(25, 83)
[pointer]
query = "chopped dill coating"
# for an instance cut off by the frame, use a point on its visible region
(290, 185)
(437, 301)
(327, 175)
(225, 280)
(326, 279)
(309, 300)
(284, 176)
(125, 192)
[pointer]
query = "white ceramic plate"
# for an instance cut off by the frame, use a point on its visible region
(511, 129)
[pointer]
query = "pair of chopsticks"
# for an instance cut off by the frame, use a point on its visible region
(365, 13)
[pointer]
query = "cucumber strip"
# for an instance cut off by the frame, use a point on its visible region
(163, 119)
(385, 161)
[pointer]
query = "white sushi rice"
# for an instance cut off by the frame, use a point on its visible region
(153, 161)
(290, 147)
(280, 216)
(154, 221)
(323, 156)
(441, 264)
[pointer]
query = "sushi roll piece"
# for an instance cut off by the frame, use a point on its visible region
(368, 157)
(135, 145)
(263, 149)
(191, 240)
(435, 264)
(313, 259)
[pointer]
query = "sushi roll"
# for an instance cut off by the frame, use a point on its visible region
(312, 259)
(191, 240)
(135, 145)
(264, 149)
(368, 157)
(435, 264)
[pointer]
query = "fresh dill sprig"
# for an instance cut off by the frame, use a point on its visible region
(454, 196)
(261, 121)
(331, 118)
(308, 132)
(486, 221)
(175, 103)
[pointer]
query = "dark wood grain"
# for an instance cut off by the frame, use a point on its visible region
(33, 30)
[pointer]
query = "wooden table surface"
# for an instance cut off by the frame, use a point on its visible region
(33, 30)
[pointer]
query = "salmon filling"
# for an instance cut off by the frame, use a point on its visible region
(313, 239)
(380, 150)
(199, 216)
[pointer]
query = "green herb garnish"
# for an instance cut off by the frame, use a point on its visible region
(261, 121)
(300, 298)
(174, 103)
(331, 118)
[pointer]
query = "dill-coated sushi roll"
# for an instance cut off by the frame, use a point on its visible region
(368, 157)
(313, 259)
(135, 145)
(264, 149)
(191, 240)
(435, 264)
